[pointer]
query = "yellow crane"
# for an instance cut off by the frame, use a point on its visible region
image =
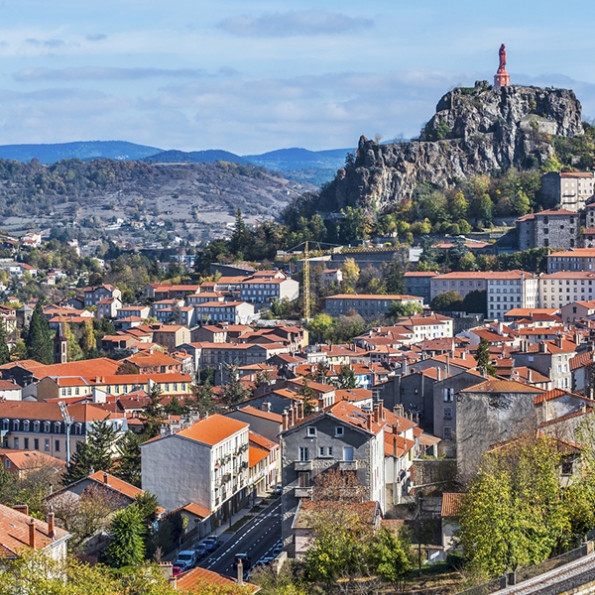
(306, 279)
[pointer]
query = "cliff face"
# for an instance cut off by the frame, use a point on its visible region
(474, 131)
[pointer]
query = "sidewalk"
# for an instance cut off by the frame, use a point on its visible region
(244, 512)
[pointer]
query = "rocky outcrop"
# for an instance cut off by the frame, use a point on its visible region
(477, 130)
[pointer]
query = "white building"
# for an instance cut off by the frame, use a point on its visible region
(511, 289)
(230, 312)
(267, 291)
(206, 463)
(565, 287)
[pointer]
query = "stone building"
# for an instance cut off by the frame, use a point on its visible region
(488, 413)
(558, 228)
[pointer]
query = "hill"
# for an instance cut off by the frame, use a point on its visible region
(192, 200)
(51, 153)
(477, 130)
(210, 156)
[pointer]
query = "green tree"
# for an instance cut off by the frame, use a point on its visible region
(240, 237)
(38, 339)
(458, 205)
(394, 279)
(88, 339)
(234, 392)
(129, 459)
(4, 351)
(448, 301)
(520, 203)
(513, 514)
(390, 556)
(202, 400)
(153, 414)
(350, 272)
(346, 378)
(126, 546)
(483, 357)
(321, 328)
(398, 310)
(476, 302)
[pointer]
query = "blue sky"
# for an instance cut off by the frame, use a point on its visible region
(250, 77)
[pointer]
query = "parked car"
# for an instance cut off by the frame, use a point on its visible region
(278, 490)
(186, 559)
(211, 543)
(176, 570)
(200, 549)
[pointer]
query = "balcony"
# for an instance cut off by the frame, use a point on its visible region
(302, 492)
(347, 465)
(302, 466)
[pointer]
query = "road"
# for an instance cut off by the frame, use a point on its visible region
(255, 538)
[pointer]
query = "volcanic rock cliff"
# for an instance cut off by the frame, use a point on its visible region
(478, 130)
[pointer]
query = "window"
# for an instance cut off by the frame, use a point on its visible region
(304, 454)
(26, 445)
(447, 413)
(304, 479)
(57, 446)
(321, 451)
(35, 443)
(447, 433)
(311, 431)
(16, 443)
(339, 431)
(348, 453)
(7, 464)
(46, 445)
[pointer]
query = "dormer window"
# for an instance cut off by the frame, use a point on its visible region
(36, 426)
(339, 431)
(311, 432)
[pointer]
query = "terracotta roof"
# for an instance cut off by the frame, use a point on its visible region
(556, 393)
(14, 532)
(354, 416)
(250, 410)
(30, 459)
(486, 275)
(50, 411)
(213, 429)
(451, 504)
(256, 455)
(193, 508)
(530, 312)
(193, 579)
(577, 252)
(582, 359)
(262, 442)
(494, 385)
(372, 296)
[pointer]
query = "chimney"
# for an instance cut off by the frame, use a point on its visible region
(542, 348)
(285, 420)
(369, 420)
(404, 368)
(447, 364)
(529, 376)
(439, 374)
(399, 410)
(290, 421)
(51, 524)
(381, 411)
(240, 572)
(376, 413)
(24, 508)
(300, 410)
(559, 341)
(32, 535)
(105, 481)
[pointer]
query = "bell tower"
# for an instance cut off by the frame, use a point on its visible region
(502, 78)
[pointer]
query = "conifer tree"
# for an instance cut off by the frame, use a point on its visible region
(153, 413)
(4, 351)
(126, 546)
(38, 340)
(129, 462)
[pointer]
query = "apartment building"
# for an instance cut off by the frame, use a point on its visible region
(230, 312)
(570, 190)
(342, 437)
(239, 354)
(510, 289)
(366, 305)
(133, 311)
(170, 336)
(206, 463)
(418, 283)
(99, 292)
(564, 287)
(579, 259)
(40, 426)
(266, 291)
(108, 307)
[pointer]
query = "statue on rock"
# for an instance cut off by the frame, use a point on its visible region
(502, 78)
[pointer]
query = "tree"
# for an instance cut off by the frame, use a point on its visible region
(397, 310)
(394, 278)
(346, 378)
(447, 302)
(153, 413)
(476, 302)
(4, 351)
(240, 237)
(129, 461)
(350, 272)
(202, 397)
(321, 328)
(483, 357)
(88, 340)
(513, 514)
(520, 203)
(234, 392)
(390, 555)
(38, 340)
(126, 546)
(458, 206)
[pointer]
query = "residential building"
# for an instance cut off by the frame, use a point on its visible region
(230, 312)
(20, 532)
(566, 287)
(94, 294)
(265, 464)
(133, 311)
(259, 290)
(579, 259)
(108, 307)
(578, 311)
(206, 463)
(39, 426)
(171, 336)
(262, 420)
(570, 190)
(511, 289)
(366, 305)
(418, 283)
(341, 437)
(20, 463)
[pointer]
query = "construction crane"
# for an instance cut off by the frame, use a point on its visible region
(306, 275)
(68, 423)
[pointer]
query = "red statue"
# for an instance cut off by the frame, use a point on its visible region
(502, 78)
(502, 57)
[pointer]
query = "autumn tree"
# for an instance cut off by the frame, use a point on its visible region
(88, 340)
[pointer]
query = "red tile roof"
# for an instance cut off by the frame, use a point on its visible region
(213, 429)
(193, 579)
(494, 385)
(451, 504)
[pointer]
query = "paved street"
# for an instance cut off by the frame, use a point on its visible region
(255, 538)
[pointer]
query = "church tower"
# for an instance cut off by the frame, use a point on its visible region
(60, 346)
(502, 78)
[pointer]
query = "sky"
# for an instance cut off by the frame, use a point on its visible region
(254, 76)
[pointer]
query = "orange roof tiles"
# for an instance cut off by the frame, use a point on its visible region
(250, 410)
(451, 504)
(494, 385)
(213, 429)
(256, 455)
(193, 579)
